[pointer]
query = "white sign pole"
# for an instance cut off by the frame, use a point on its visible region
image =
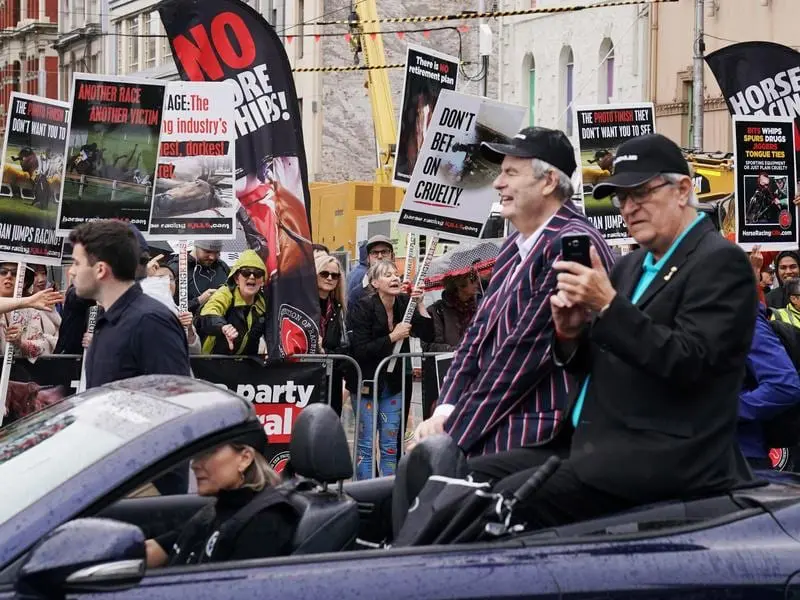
(8, 355)
(90, 330)
(433, 240)
(183, 277)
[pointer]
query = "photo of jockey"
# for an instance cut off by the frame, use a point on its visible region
(766, 198)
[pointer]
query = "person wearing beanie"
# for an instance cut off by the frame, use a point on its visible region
(206, 272)
(377, 248)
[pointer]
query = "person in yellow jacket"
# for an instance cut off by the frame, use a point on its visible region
(791, 313)
(232, 320)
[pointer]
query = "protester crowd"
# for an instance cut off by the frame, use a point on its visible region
(550, 356)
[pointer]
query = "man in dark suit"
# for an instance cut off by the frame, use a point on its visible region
(660, 348)
(503, 391)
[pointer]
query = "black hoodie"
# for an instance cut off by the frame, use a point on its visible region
(200, 278)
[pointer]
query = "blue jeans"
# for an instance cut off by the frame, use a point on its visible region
(389, 414)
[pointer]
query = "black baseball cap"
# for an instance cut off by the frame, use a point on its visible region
(641, 159)
(549, 145)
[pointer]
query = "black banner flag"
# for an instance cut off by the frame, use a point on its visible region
(226, 40)
(759, 79)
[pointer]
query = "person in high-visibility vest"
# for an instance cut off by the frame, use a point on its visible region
(791, 313)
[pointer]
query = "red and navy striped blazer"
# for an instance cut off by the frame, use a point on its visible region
(505, 388)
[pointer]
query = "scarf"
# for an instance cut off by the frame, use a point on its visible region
(326, 312)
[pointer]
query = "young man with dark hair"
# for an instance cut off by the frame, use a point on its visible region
(135, 334)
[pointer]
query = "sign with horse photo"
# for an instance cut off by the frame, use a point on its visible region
(112, 151)
(33, 161)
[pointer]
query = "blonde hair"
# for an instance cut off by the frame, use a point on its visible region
(378, 270)
(338, 293)
(258, 474)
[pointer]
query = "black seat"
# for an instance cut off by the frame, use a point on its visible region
(319, 456)
(435, 455)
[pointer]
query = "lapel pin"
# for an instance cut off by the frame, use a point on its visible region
(672, 272)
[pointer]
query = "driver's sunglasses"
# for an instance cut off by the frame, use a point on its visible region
(637, 196)
(6, 272)
(248, 273)
(329, 275)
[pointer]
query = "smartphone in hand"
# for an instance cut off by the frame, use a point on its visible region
(575, 248)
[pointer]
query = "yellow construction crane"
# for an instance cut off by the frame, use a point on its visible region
(380, 94)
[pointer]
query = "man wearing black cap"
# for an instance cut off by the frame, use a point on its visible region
(503, 391)
(659, 349)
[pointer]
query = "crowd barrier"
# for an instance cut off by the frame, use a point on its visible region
(278, 389)
(375, 381)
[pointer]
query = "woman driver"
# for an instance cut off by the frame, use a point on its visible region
(234, 473)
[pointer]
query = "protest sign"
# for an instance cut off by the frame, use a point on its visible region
(764, 151)
(278, 393)
(33, 162)
(601, 129)
(450, 192)
(112, 152)
(227, 40)
(759, 79)
(194, 180)
(427, 73)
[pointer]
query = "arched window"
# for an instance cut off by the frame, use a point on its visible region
(528, 84)
(605, 74)
(567, 70)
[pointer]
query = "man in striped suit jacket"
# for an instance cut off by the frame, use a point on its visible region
(502, 391)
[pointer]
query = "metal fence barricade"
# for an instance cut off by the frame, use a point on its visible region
(376, 387)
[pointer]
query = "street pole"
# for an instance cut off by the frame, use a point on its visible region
(482, 49)
(698, 103)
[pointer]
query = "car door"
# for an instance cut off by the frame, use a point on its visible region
(746, 559)
(477, 572)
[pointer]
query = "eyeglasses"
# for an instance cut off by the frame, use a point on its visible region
(329, 275)
(248, 273)
(6, 272)
(637, 196)
(377, 253)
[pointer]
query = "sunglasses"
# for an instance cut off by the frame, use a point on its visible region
(329, 275)
(248, 273)
(7, 272)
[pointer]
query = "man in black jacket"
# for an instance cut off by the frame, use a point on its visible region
(206, 273)
(659, 349)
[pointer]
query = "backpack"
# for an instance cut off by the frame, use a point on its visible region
(783, 430)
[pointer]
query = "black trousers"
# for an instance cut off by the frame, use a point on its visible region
(561, 500)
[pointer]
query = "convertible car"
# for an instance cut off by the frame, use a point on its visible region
(69, 528)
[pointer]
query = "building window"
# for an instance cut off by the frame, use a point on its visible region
(605, 74)
(529, 86)
(133, 45)
(567, 68)
(150, 29)
(78, 14)
(92, 12)
(166, 49)
(687, 140)
(120, 66)
(301, 12)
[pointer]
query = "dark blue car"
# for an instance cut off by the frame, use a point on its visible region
(69, 528)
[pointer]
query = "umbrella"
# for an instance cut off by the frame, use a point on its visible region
(462, 261)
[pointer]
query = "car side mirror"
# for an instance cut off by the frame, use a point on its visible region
(85, 555)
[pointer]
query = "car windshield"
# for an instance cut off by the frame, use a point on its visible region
(46, 449)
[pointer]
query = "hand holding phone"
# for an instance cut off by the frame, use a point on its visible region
(575, 248)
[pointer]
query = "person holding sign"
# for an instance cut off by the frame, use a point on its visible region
(503, 392)
(659, 346)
